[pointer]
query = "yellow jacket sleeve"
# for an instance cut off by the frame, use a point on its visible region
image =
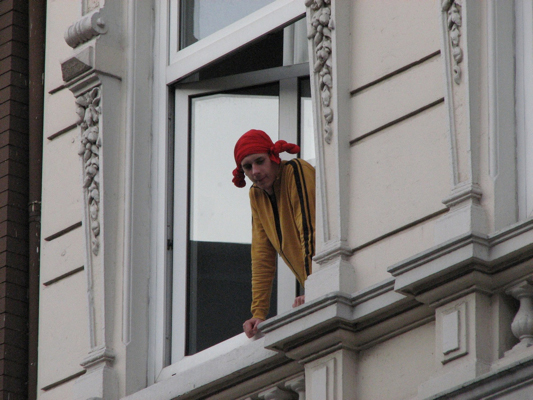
(263, 268)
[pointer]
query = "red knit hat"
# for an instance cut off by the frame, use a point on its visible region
(253, 142)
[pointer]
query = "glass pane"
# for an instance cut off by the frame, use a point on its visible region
(200, 18)
(219, 213)
(307, 138)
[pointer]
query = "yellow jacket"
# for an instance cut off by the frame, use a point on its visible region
(284, 224)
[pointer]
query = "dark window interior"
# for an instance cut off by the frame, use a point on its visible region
(219, 292)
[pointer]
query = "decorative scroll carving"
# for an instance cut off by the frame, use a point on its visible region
(454, 22)
(85, 29)
(89, 112)
(319, 31)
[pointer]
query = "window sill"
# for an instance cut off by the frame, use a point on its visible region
(235, 359)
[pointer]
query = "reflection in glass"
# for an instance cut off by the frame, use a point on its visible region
(200, 18)
(219, 214)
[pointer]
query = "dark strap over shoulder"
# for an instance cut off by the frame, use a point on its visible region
(307, 225)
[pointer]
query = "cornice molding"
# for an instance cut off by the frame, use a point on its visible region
(468, 261)
(85, 29)
(497, 381)
(462, 193)
(98, 356)
(337, 249)
(407, 300)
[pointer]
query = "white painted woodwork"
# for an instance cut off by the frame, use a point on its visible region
(216, 45)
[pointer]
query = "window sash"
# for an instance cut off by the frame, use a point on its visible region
(288, 121)
(182, 63)
(169, 67)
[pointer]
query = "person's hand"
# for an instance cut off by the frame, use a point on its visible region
(250, 326)
(298, 301)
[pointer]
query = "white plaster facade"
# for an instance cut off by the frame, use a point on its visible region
(423, 283)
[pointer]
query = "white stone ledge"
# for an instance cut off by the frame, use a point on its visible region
(478, 257)
(370, 316)
(224, 365)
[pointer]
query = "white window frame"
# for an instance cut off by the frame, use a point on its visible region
(288, 120)
(169, 67)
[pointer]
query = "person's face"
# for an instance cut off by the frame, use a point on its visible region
(261, 170)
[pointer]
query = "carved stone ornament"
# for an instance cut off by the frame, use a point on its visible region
(319, 31)
(522, 326)
(454, 22)
(89, 112)
(90, 26)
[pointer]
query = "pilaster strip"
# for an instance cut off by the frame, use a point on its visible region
(449, 100)
(319, 31)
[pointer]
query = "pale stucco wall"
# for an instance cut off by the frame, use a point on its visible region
(401, 173)
(63, 333)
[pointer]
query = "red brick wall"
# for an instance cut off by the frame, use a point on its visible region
(13, 199)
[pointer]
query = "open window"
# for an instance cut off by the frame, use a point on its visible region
(237, 78)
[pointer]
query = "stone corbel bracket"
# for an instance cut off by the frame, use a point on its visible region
(319, 31)
(454, 22)
(89, 111)
(90, 26)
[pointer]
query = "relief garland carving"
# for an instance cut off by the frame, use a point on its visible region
(89, 112)
(319, 31)
(454, 22)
